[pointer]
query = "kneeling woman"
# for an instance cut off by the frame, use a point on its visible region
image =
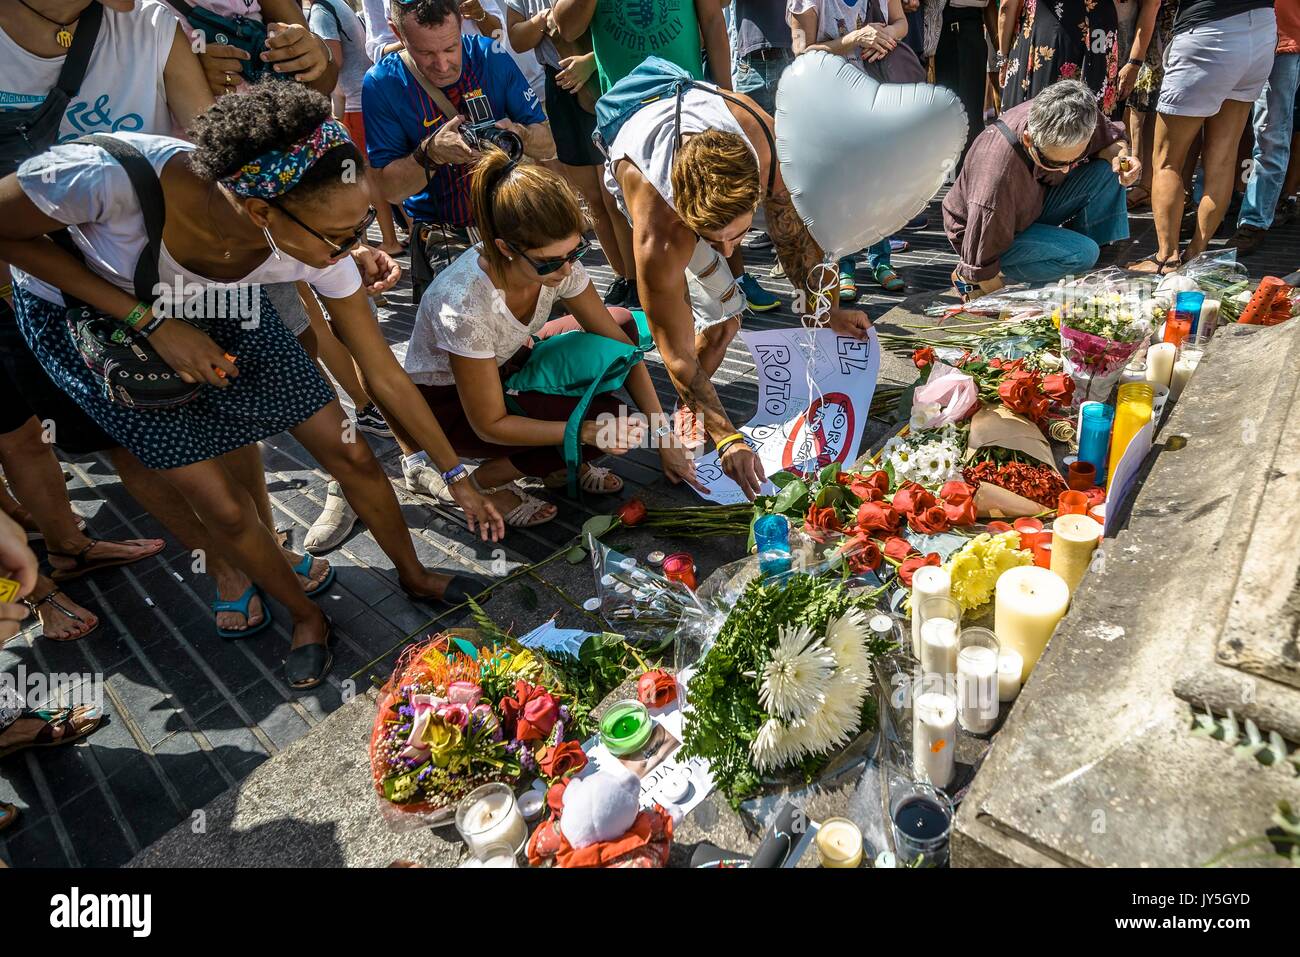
(475, 327)
(265, 197)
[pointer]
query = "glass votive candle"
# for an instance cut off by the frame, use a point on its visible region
(977, 680)
(1094, 436)
(489, 817)
(1081, 476)
(997, 528)
(922, 824)
(839, 843)
(934, 737)
(1030, 529)
(1043, 550)
(1159, 396)
(940, 629)
(625, 727)
(1072, 502)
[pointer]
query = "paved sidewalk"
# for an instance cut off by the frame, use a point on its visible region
(190, 716)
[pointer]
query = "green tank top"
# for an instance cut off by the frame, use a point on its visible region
(625, 32)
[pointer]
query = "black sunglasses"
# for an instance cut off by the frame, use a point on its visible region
(545, 267)
(1041, 160)
(357, 235)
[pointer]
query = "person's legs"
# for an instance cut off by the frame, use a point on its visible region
(882, 269)
(586, 180)
(1090, 201)
(1173, 139)
(1219, 159)
(1274, 123)
(711, 344)
(336, 358)
(1044, 253)
(1140, 129)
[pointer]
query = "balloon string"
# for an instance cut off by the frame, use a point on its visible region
(822, 282)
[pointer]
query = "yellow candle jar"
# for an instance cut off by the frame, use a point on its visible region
(1132, 413)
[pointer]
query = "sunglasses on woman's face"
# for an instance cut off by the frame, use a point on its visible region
(356, 236)
(545, 267)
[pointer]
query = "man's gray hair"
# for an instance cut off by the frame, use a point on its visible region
(1064, 114)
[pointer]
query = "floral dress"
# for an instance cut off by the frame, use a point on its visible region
(1062, 40)
(1147, 89)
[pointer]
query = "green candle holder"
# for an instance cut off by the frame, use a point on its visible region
(626, 727)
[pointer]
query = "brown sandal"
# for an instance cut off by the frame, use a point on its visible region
(83, 565)
(51, 736)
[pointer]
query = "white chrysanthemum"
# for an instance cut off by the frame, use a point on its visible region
(768, 749)
(832, 724)
(794, 679)
(846, 637)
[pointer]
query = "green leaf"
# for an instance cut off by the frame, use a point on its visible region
(830, 495)
(576, 555)
(598, 525)
(790, 498)
(782, 479)
(829, 473)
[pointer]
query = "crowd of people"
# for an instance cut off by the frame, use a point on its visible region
(187, 227)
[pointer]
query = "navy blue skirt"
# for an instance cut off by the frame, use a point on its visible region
(278, 387)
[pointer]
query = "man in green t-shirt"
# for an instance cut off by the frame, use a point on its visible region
(625, 32)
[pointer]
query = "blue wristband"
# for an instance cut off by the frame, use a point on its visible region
(455, 474)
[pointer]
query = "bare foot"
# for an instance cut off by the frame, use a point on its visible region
(26, 730)
(229, 588)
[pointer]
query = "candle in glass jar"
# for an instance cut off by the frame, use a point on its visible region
(490, 816)
(930, 581)
(1010, 664)
(939, 646)
(934, 738)
(1133, 409)
(1074, 538)
(1028, 603)
(1188, 360)
(977, 688)
(839, 843)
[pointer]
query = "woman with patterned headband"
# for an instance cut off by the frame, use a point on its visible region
(271, 191)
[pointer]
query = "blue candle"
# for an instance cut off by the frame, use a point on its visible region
(772, 537)
(1094, 437)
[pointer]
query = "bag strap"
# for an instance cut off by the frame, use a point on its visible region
(1017, 146)
(439, 98)
(684, 85)
(329, 8)
(77, 60)
(148, 191)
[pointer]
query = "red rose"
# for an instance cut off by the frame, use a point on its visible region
(632, 512)
(961, 514)
(1016, 393)
(911, 497)
(562, 760)
(1038, 407)
(863, 556)
(956, 492)
(869, 486)
(909, 567)
(929, 521)
(897, 548)
(656, 688)
(875, 517)
(1059, 388)
(530, 714)
(555, 797)
(922, 357)
(822, 519)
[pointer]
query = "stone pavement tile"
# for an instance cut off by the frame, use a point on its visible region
(236, 746)
(67, 771)
(277, 717)
(151, 709)
(111, 746)
(34, 844)
(149, 810)
(94, 830)
(404, 616)
(190, 769)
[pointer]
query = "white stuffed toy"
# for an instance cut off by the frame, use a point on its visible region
(600, 807)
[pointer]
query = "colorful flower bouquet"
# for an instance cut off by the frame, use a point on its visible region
(458, 713)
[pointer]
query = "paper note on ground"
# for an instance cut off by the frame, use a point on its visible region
(814, 392)
(1127, 470)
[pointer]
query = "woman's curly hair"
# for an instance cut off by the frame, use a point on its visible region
(273, 115)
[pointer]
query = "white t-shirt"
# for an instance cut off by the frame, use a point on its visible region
(123, 88)
(82, 186)
(835, 17)
(462, 313)
(378, 33)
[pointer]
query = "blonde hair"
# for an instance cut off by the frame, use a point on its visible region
(715, 180)
(525, 205)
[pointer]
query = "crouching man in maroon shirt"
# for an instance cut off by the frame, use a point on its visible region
(1041, 191)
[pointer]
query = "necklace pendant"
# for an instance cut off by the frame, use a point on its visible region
(64, 38)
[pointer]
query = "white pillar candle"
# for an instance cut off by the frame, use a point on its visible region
(1010, 665)
(939, 647)
(977, 689)
(1160, 362)
(494, 819)
(1028, 602)
(1074, 539)
(930, 581)
(934, 738)
(1209, 320)
(1188, 360)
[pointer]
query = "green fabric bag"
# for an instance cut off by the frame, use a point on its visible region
(578, 363)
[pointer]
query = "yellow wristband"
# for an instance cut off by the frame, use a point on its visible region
(728, 442)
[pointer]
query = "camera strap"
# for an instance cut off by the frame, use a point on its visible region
(439, 98)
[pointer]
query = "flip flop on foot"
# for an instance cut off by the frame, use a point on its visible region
(887, 278)
(48, 729)
(306, 666)
(1154, 265)
(62, 619)
(97, 554)
(257, 620)
(317, 575)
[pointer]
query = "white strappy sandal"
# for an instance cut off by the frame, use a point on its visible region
(591, 479)
(525, 514)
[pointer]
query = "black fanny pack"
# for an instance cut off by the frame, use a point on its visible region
(133, 373)
(27, 133)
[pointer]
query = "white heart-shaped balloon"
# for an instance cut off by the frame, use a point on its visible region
(861, 158)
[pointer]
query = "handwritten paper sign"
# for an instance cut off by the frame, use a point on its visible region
(814, 392)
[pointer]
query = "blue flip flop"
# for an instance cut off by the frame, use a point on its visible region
(303, 568)
(240, 605)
